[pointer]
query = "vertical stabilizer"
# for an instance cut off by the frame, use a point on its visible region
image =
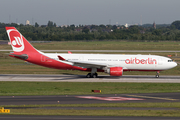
(18, 41)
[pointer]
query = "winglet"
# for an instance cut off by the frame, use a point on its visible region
(61, 58)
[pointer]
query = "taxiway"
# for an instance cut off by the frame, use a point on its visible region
(89, 99)
(41, 117)
(82, 78)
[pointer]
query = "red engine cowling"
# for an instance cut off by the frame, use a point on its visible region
(115, 71)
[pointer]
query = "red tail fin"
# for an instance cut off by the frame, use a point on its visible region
(18, 42)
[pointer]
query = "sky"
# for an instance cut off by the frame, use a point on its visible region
(88, 12)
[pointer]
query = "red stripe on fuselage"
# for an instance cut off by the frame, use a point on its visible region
(36, 58)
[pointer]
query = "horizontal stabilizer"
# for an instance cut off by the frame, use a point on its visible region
(23, 56)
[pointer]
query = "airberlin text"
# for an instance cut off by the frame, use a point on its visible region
(140, 61)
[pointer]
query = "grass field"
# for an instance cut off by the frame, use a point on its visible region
(104, 45)
(73, 88)
(123, 105)
(162, 113)
(109, 45)
(40, 111)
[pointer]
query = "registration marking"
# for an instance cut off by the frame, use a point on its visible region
(109, 98)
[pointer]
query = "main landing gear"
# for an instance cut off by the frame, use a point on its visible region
(90, 75)
(93, 73)
(157, 74)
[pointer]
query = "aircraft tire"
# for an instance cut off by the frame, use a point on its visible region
(157, 76)
(95, 75)
(88, 75)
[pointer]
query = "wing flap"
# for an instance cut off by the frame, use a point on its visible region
(86, 64)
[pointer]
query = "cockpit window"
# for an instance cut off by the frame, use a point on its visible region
(170, 60)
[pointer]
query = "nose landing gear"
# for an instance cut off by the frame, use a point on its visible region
(157, 74)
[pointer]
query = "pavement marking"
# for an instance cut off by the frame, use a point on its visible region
(109, 98)
(2, 110)
(153, 97)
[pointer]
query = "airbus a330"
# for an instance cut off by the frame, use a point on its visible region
(113, 64)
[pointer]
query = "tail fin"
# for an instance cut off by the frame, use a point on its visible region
(18, 42)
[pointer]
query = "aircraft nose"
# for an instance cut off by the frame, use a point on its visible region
(175, 64)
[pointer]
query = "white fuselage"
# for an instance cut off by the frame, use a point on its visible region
(127, 62)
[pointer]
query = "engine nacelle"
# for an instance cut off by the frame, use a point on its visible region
(115, 71)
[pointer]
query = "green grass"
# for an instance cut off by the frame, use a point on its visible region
(104, 45)
(162, 113)
(123, 105)
(43, 111)
(71, 88)
(108, 45)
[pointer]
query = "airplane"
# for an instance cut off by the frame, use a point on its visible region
(113, 64)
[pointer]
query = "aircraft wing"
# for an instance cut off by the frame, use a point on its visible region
(85, 64)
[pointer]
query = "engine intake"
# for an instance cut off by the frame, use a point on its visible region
(115, 71)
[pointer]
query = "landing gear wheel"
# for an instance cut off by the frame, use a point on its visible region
(157, 76)
(95, 75)
(88, 75)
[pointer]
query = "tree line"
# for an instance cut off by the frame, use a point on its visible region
(52, 32)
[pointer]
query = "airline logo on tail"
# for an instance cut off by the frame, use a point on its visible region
(16, 40)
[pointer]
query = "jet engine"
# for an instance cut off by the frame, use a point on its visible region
(115, 71)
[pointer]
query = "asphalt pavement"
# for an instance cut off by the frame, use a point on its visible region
(89, 99)
(82, 78)
(40, 117)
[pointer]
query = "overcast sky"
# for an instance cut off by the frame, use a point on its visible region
(87, 12)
